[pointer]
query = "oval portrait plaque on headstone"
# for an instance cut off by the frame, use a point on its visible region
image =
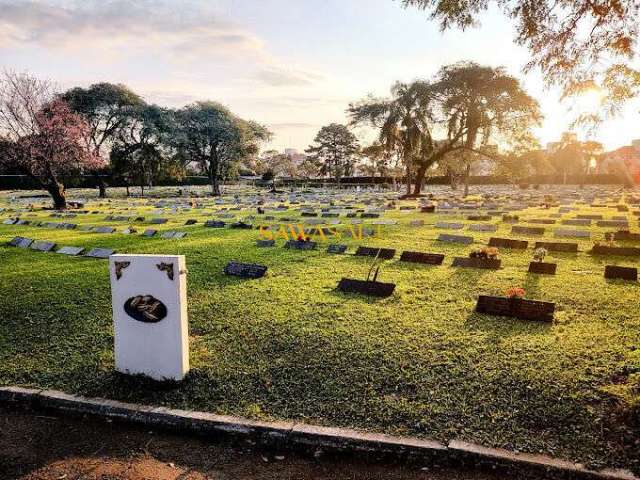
(145, 308)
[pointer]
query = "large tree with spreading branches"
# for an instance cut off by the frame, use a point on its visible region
(579, 45)
(211, 135)
(109, 109)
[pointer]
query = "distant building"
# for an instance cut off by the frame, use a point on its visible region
(566, 137)
(624, 160)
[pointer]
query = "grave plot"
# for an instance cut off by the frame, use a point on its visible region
(613, 250)
(622, 273)
(42, 245)
(382, 253)
(544, 268)
(265, 243)
(99, 253)
(336, 248)
(420, 257)
(71, 251)
(519, 230)
(444, 237)
(516, 307)
(449, 225)
(369, 286)
(301, 245)
(508, 243)
(245, 270)
(20, 242)
(558, 246)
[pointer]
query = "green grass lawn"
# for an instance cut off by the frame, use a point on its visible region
(289, 346)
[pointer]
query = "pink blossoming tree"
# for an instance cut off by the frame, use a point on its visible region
(41, 136)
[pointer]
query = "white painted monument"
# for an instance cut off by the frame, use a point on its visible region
(149, 301)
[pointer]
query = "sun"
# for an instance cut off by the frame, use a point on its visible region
(589, 101)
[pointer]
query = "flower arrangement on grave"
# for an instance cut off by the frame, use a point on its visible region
(303, 238)
(539, 254)
(515, 293)
(485, 253)
(609, 237)
(608, 240)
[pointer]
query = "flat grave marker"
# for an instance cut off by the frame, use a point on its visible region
(565, 232)
(104, 229)
(214, 224)
(581, 222)
(516, 229)
(71, 251)
(42, 245)
(622, 273)
(445, 237)
(450, 225)
(337, 248)
(265, 243)
(366, 287)
(516, 307)
(20, 242)
(610, 250)
(508, 243)
(558, 246)
(485, 263)
(301, 245)
(543, 268)
(420, 257)
(382, 253)
(99, 253)
(483, 227)
(245, 270)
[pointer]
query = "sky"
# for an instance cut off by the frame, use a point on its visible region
(292, 65)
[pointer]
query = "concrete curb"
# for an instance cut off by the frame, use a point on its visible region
(297, 436)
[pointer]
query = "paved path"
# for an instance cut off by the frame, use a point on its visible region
(38, 447)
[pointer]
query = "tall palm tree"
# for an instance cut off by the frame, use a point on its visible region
(403, 122)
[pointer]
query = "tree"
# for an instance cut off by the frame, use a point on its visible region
(209, 134)
(579, 45)
(517, 166)
(107, 108)
(335, 150)
(274, 164)
(41, 136)
(471, 105)
(145, 148)
(376, 160)
(403, 122)
(573, 157)
(484, 107)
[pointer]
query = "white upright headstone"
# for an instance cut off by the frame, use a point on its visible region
(149, 301)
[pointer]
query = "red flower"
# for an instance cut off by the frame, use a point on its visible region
(515, 292)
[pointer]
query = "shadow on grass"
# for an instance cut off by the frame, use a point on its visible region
(498, 327)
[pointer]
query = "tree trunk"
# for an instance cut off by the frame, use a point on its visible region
(215, 185)
(102, 186)
(467, 173)
(422, 170)
(56, 190)
(127, 187)
(453, 181)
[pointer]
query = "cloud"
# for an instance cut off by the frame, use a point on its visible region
(282, 77)
(124, 26)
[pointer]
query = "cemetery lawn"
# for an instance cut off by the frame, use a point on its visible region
(289, 346)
